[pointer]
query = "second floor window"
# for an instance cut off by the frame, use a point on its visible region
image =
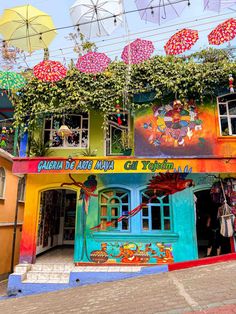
(114, 203)
(77, 123)
(114, 133)
(227, 115)
(2, 181)
(156, 214)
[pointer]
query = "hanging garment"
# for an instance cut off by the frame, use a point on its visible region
(216, 193)
(226, 220)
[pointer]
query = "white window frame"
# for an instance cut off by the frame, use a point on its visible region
(228, 116)
(3, 181)
(52, 130)
(111, 124)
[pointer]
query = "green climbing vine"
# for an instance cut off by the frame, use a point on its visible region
(199, 75)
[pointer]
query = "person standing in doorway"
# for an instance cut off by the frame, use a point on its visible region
(214, 236)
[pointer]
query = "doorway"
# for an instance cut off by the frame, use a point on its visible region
(57, 216)
(206, 211)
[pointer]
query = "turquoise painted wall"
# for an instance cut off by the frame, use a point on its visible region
(184, 225)
(182, 238)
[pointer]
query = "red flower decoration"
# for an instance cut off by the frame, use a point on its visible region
(93, 62)
(50, 71)
(224, 32)
(181, 41)
(138, 51)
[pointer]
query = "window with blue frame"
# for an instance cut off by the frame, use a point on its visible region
(156, 214)
(114, 203)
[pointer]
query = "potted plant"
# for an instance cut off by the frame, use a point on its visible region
(126, 143)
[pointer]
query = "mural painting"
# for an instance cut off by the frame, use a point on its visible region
(133, 253)
(176, 129)
(160, 184)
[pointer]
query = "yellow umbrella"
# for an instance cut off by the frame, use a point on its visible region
(27, 28)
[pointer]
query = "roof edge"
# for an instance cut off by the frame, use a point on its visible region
(6, 155)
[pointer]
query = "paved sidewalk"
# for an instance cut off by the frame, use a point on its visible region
(201, 290)
(227, 309)
(3, 287)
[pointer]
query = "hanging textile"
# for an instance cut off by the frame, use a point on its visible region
(226, 221)
(225, 214)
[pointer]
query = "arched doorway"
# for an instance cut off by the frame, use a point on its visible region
(206, 211)
(56, 221)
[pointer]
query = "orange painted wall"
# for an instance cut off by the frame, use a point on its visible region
(7, 217)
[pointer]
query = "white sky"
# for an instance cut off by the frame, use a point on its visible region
(192, 17)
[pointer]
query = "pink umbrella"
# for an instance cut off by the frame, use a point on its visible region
(138, 51)
(93, 62)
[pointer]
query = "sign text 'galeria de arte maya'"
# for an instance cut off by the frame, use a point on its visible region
(124, 165)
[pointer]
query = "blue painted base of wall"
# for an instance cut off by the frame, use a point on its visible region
(16, 288)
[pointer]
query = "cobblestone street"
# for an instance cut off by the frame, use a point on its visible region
(208, 289)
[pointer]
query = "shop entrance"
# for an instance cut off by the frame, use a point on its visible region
(56, 225)
(207, 227)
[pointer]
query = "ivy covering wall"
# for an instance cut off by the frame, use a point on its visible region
(201, 76)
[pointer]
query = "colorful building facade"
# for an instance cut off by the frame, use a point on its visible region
(149, 208)
(9, 223)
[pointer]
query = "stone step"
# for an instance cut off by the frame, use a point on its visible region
(22, 268)
(72, 268)
(53, 267)
(43, 276)
(57, 281)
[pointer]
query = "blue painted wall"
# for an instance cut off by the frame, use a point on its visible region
(182, 238)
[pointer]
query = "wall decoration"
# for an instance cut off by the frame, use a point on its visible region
(5, 136)
(100, 256)
(87, 189)
(133, 253)
(176, 129)
(231, 83)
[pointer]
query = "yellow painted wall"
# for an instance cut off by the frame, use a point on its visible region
(7, 215)
(34, 185)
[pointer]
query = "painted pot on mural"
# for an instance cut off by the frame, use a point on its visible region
(100, 256)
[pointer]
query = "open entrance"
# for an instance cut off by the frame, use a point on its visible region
(209, 240)
(56, 225)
